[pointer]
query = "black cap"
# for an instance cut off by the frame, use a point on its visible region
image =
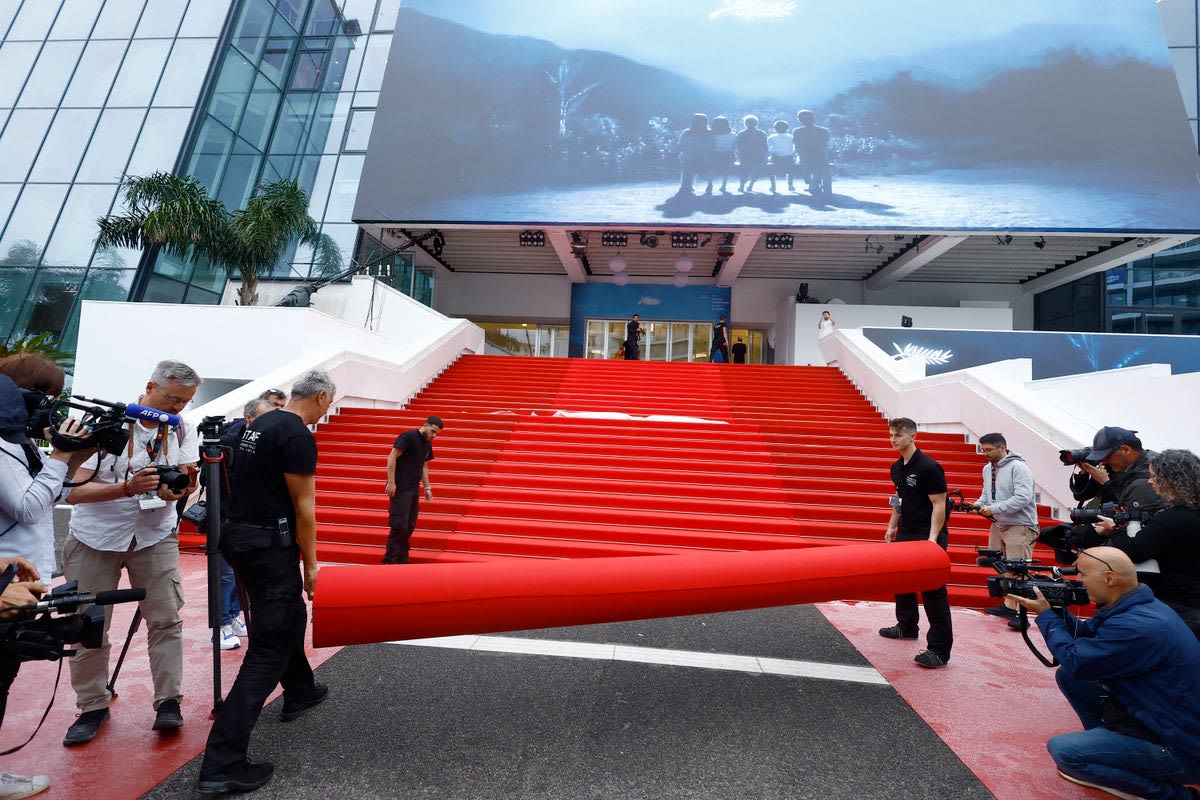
(1109, 439)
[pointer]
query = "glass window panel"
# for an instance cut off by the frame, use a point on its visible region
(31, 221)
(7, 12)
(366, 99)
(16, 60)
(196, 296)
(76, 19)
(306, 174)
(160, 289)
(385, 19)
(205, 18)
(14, 288)
(50, 75)
(358, 130)
(323, 21)
(1189, 324)
(140, 73)
(423, 287)
(172, 266)
(64, 145)
(116, 258)
(370, 77)
(51, 299)
(109, 151)
(118, 19)
(292, 11)
(211, 151)
(241, 174)
(275, 58)
(71, 243)
(182, 79)
(251, 31)
(207, 276)
(701, 341)
(158, 146)
(344, 235)
(8, 198)
(161, 19)
(293, 123)
(318, 195)
(345, 189)
(681, 341)
(100, 284)
(233, 88)
(1142, 281)
(260, 113)
(1160, 323)
(309, 68)
(20, 142)
(97, 69)
(34, 20)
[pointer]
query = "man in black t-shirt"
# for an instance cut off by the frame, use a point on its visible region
(720, 341)
(272, 525)
(918, 513)
(633, 332)
(407, 469)
(739, 352)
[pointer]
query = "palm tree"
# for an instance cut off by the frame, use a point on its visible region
(259, 235)
(175, 213)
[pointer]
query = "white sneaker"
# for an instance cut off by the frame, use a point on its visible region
(14, 787)
(239, 627)
(229, 639)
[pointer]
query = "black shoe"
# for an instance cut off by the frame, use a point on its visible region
(1001, 611)
(245, 777)
(168, 717)
(896, 632)
(85, 726)
(293, 709)
(930, 660)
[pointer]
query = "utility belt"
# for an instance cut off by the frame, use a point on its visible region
(244, 536)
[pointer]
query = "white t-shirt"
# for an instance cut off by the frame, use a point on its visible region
(27, 507)
(825, 329)
(112, 524)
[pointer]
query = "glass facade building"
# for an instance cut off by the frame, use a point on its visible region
(235, 92)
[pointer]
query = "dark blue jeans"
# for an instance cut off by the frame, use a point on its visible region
(1106, 758)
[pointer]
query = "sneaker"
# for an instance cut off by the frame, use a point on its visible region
(85, 726)
(1001, 611)
(245, 777)
(229, 639)
(1109, 789)
(168, 716)
(239, 627)
(896, 632)
(14, 787)
(930, 660)
(293, 709)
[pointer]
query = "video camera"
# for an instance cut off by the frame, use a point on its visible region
(34, 634)
(1082, 455)
(956, 502)
(1020, 576)
(1067, 539)
(106, 421)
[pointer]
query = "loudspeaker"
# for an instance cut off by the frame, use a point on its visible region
(905, 322)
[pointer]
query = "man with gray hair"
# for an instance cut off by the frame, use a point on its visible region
(272, 525)
(125, 519)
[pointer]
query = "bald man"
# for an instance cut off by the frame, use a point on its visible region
(1132, 674)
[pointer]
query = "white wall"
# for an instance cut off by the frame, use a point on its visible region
(263, 347)
(503, 297)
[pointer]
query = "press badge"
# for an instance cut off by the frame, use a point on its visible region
(150, 502)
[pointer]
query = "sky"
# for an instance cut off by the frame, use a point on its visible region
(815, 46)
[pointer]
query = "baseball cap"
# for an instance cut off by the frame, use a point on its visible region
(1109, 439)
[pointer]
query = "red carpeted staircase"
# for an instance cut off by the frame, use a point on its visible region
(743, 457)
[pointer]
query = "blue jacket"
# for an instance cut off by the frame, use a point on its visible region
(1146, 657)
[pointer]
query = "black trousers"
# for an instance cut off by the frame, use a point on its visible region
(402, 520)
(9, 666)
(937, 610)
(275, 655)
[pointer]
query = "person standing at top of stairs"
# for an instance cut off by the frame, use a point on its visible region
(407, 469)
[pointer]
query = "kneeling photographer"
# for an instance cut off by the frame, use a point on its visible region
(1166, 547)
(1132, 675)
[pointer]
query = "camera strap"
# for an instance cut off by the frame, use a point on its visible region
(46, 713)
(1023, 616)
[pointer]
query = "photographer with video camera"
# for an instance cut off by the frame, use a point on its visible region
(1114, 469)
(125, 519)
(19, 586)
(1132, 674)
(1166, 548)
(1007, 501)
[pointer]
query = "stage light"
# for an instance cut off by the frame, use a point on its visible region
(683, 264)
(707, 239)
(614, 239)
(1040, 244)
(1005, 240)
(578, 244)
(680, 239)
(617, 264)
(724, 251)
(621, 278)
(681, 279)
(649, 240)
(532, 238)
(779, 241)
(802, 293)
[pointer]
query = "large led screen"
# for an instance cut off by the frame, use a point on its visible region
(923, 115)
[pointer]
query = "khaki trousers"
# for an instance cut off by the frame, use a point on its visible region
(155, 569)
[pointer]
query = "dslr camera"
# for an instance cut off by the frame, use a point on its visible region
(1081, 455)
(956, 502)
(1021, 576)
(42, 631)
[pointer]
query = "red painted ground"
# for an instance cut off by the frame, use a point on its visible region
(994, 706)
